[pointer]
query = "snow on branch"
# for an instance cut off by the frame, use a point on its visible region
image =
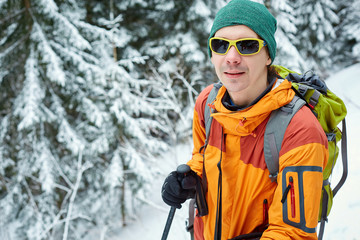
(53, 63)
(28, 103)
(115, 172)
(93, 113)
(64, 30)
(70, 138)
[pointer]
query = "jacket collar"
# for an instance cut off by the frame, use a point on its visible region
(244, 122)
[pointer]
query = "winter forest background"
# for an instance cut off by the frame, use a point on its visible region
(93, 93)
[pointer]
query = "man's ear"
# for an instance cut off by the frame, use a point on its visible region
(268, 62)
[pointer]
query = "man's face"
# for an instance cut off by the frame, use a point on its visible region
(245, 77)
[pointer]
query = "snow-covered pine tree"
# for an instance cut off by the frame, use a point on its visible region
(286, 34)
(174, 35)
(78, 126)
(316, 22)
(347, 42)
(33, 72)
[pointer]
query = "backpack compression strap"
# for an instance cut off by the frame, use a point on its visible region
(343, 158)
(274, 134)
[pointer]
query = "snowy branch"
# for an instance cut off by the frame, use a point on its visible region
(81, 169)
(56, 222)
(31, 197)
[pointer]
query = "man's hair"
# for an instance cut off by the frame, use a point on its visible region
(272, 73)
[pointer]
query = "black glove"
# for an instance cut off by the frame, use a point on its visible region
(178, 187)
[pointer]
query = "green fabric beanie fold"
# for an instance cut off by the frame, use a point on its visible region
(252, 14)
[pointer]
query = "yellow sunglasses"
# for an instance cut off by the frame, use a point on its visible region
(244, 46)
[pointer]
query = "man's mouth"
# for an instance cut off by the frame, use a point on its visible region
(233, 74)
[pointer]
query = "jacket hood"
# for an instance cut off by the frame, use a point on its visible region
(244, 122)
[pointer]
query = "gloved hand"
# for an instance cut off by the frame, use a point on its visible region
(178, 187)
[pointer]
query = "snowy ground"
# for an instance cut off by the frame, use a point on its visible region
(344, 218)
(151, 221)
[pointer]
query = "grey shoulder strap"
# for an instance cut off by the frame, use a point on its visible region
(274, 133)
(208, 120)
(207, 112)
(344, 158)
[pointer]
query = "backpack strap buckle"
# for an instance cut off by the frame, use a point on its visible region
(314, 99)
(331, 137)
(273, 177)
(326, 182)
(288, 108)
(303, 89)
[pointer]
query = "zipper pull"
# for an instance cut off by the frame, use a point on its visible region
(265, 212)
(292, 197)
(287, 189)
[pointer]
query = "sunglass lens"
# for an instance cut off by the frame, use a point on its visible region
(219, 46)
(248, 46)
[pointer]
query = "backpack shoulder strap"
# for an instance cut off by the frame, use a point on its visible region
(207, 112)
(274, 133)
(208, 121)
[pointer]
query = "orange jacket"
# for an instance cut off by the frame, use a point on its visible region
(245, 177)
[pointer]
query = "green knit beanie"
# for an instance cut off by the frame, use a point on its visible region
(249, 13)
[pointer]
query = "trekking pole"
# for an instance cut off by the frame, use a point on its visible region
(182, 170)
(168, 223)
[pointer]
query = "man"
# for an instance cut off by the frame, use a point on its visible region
(242, 200)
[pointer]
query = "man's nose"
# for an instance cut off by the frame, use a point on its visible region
(233, 57)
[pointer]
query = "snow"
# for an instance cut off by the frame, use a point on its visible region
(28, 102)
(344, 217)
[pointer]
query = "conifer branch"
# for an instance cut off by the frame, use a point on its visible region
(12, 15)
(80, 168)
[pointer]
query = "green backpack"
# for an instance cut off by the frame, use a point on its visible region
(329, 109)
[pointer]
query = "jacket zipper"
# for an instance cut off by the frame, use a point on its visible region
(290, 188)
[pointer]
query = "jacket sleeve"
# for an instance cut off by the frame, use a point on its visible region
(198, 131)
(293, 213)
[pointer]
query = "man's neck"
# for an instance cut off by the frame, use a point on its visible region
(231, 105)
(245, 97)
